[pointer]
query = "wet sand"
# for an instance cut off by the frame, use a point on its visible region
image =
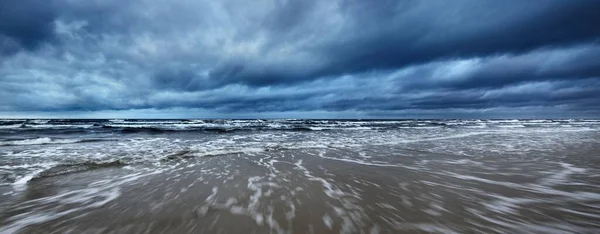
(369, 189)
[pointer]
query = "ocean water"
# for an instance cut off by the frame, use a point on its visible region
(299, 176)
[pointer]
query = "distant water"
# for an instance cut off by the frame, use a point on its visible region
(300, 176)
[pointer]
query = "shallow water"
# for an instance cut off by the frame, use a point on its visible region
(296, 176)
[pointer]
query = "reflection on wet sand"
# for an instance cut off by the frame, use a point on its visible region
(366, 190)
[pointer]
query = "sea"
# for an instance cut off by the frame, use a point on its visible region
(299, 176)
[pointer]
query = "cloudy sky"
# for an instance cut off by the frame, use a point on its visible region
(300, 58)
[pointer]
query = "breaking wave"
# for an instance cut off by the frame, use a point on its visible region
(125, 126)
(62, 169)
(38, 171)
(46, 140)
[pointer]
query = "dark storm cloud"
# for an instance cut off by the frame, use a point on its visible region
(380, 57)
(574, 94)
(392, 34)
(179, 79)
(25, 24)
(497, 71)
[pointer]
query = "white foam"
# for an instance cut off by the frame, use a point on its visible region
(10, 126)
(60, 126)
(562, 176)
(462, 135)
(512, 126)
(328, 221)
(36, 141)
(330, 189)
(479, 179)
(39, 141)
(21, 183)
(357, 161)
(57, 206)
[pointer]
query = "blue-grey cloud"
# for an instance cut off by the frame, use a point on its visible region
(25, 25)
(375, 58)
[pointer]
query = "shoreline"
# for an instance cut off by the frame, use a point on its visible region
(303, 191)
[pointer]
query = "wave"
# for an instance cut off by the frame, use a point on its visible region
(11, 126)
(9, 174)
(7, 177)
(11, 122)
(19, 175)
(62, 169)
(48, 140)
(512, 126)
(215, 129)
(195, 153)
(127, 130)
(226, 126)
(166, 129)
(46, 170)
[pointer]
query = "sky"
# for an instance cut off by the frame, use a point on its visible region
(300, 59)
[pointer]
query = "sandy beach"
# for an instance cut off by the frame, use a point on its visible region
(458, 183)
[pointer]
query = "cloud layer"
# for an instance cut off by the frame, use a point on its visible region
(343, 58)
